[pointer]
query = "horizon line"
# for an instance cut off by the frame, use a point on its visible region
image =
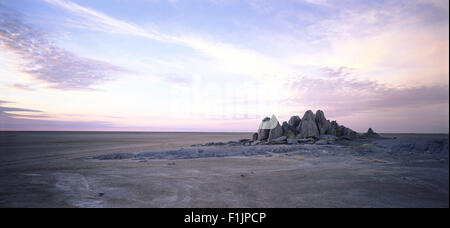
(114, 131)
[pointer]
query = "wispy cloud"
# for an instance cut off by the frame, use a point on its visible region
(13, 118)
(13, 112)
(224, 56)
(22, 86)
(90, 19)
(47, 62)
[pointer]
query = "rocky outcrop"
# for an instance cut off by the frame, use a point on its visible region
(312, 128)
(269, 129)
(308, 127)
(371, 133)
(323, 124)
(345, 131)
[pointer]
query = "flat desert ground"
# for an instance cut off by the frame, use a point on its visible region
(57, 169)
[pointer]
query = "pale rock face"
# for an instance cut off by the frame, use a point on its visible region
(308, 127)
(263, 130)
(269, 129)
(322, 123)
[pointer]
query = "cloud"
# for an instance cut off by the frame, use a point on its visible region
(344, 95)
(224, 56)
(12, 118)
(8, 113)
(46, 62)
(90, 19)
(22, 86)
(337, 72)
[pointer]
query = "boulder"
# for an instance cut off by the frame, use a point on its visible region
(290, 134)
(306, 140)
(371, 133)
(333, 127)
(279, 140)
(269, 129)
(348, 132)
(329, 138)
(323, 124)
(276, 132)
(254, 143)
(322, 142)
(308, 127)
(255, 136)
(341, 130)
(294, 121)
(263, 129)
(285, 127)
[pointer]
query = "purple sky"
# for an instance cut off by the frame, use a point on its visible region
(213, 65)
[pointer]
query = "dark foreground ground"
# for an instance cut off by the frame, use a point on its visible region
(47, 169)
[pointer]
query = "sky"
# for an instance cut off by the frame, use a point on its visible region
(223, 65)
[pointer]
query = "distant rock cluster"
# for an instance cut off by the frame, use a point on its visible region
(311, 128)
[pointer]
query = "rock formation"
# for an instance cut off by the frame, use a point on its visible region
(294, 121)
(275, 132)
(264, 129)
(269, 129)
(371, 133)
(308, 127)
(322, 123)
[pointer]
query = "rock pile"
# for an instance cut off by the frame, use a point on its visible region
(311, 128)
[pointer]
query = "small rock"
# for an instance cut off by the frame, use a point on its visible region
(292, 141)
(101, 194)
(255, 143)
(279, 140)
(171, 163)
(322, 142)
(305, 140)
